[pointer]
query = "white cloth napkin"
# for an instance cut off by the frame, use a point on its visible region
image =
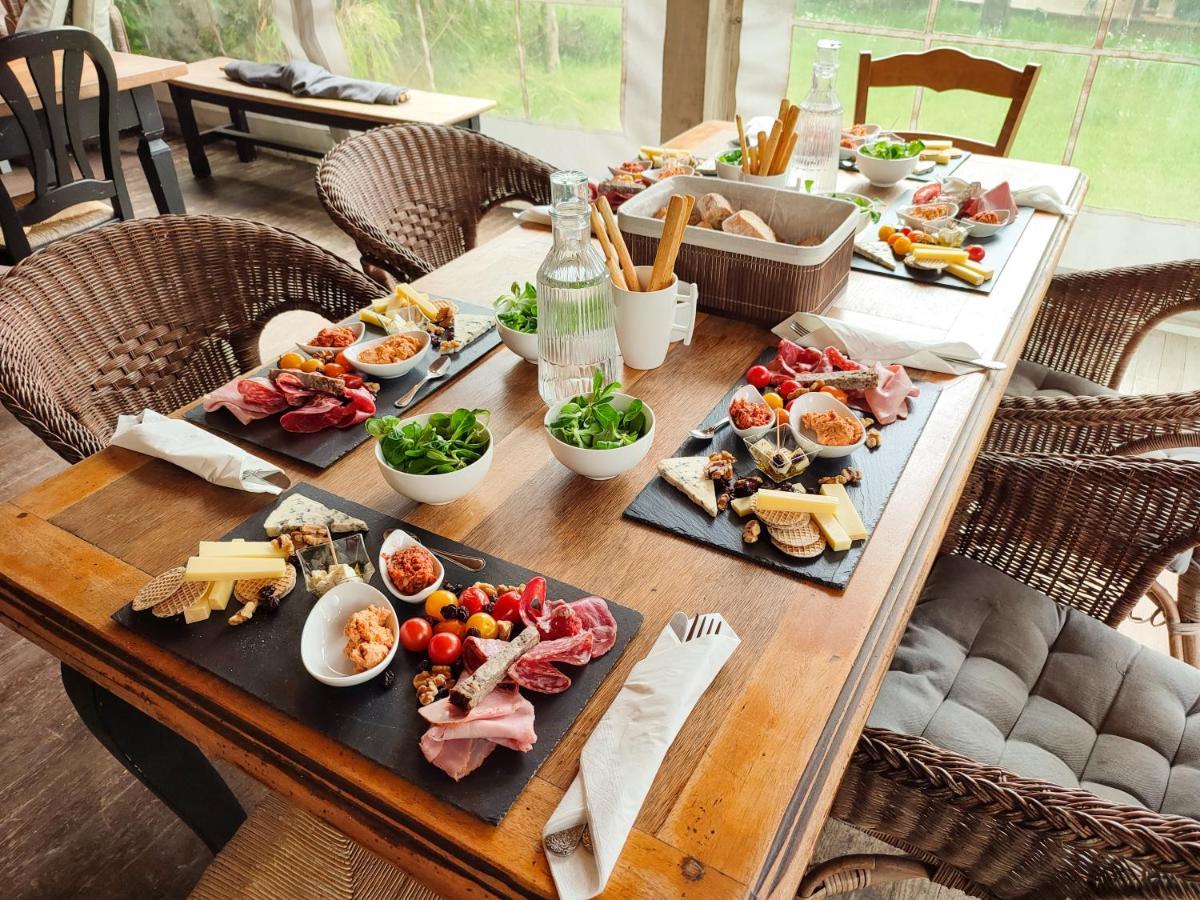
(537, 215)
(1042, 197)
(867, 345)
(622, 756)
(194, 449)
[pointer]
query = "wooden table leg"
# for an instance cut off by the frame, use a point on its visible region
(245, 149)
(191, 134)
(155, 155)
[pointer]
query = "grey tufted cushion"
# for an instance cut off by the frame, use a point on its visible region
(996, 671)
(1030, 379)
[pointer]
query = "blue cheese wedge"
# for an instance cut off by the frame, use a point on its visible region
(297, 510)
(877, 252)
(467, 328)
(688, 473)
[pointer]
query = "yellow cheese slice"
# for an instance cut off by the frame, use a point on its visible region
(197, 612)
(847, 515)
(835, 534)
(943, 158)
(226, 568)
(743, 506)
(218, 594)
(786, 501)
(958, 270)
(258, 549)
(976, 267)
(938, 145)
(926, 252)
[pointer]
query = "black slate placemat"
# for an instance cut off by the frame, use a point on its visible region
(999, 247)
(326, 447)
(664, 506)
(262, 657)
(937, 173)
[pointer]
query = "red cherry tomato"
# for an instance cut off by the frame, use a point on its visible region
(342, 360)
(415, 635)
(474, 599)
(905, 230)
(759, 376)
(975, 253)
(508, 607)
(335, 370)
(788, 407)
(788, 388)
(444, 649)
(352, 381)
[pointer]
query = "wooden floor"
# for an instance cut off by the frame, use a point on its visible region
(73, 823)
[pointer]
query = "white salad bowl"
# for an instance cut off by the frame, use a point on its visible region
(819, 401)
(520, 343)
(986, 229)
(435, 490)
(729, 171)
(388, 370)
(751, 393)
(601, 465)
(323, 641)
(906, 215)
(869, 209)
(398, 540)
(884, 172)
(357, 327)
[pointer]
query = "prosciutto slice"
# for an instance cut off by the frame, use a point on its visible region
(888, 400)
(327, 411)
(458, 742)
(593, 613)
(247, 398)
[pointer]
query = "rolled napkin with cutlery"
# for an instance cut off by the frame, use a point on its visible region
(586, 833)
(947, 357)
(194, 449)
(1044, 198)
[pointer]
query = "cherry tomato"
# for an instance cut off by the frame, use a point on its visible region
(291, 361)
(353, 381)
(415, 634)
(782, 416)
(453, 626)
(474, 599)
(435, 601)
(311, 365)
(788, 388)
(759, 376)
(773, 400)
(789, 406)
(333, 370)
(484, 624)
(444, 649)
(836, 392)
(906, 231)
(343, 361)
(975, 253)
(885, 232)
(508, 607)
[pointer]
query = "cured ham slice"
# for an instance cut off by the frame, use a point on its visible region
(535, 670)
(327, 411)
(792, 361)
(293, 389)
(247, 398)
(593, 613)
(888, 400)
(458, 742)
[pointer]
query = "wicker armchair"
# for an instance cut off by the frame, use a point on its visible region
(412, 196)
(1090, 533)
(151, 313)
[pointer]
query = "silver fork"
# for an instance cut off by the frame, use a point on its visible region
(800, 330)
(702, 626)
(994, 364)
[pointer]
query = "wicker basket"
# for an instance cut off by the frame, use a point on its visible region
(742, 277)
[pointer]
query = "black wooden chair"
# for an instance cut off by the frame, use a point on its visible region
(67, 197)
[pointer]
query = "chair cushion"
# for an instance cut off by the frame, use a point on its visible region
(996, 671)
(65, 222)
(1030, 379)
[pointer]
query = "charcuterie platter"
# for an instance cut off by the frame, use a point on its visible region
(801, 474)
(503, 663)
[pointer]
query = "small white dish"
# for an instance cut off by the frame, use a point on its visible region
(435, 490)
(884, 172)
(653, 175)
(819, 401)
(388, 370)
(600, 465)
(729, 171)
(398, 540)
(357, 327)
(751, 394)
(987, 229)
(869, 133)
(906, 214)
(323, 640)
(520, 343)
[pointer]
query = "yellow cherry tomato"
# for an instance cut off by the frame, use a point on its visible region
(902, 247)
(454, 627)
(773, 400)
(885, 232)
(435, 601)
(782, 416)
(312, 365)
(291, 361)
(483, 623)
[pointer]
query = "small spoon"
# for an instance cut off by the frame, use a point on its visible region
(436, 370)
(470, 563)
(706, 434)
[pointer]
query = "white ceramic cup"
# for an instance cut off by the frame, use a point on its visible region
(778, 181)
(649, 321)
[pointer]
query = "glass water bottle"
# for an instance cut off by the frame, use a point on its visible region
(820, 132)
(576, 330)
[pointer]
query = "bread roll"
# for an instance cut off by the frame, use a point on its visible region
(748, 224)
(713, 209)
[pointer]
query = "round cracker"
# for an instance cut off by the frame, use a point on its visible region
(247, 590)
(158, 589)
(805, 552)
(184, 598)
(797, 535)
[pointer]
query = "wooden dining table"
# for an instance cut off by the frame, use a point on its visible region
(738, 804)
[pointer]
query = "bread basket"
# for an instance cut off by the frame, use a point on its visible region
(743, 277)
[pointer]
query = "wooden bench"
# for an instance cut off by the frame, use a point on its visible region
(206, 82)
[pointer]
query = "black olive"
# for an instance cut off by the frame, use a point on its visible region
(448, 611)
(425, 665)
(389, 679)
(442, 694)
(786, 487)
(474, 632)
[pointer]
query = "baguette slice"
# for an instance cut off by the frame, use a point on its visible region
(712, 210)
(748, 224)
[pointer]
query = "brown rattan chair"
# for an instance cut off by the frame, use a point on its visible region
(412, 196)
(151, 313)
(1091, 534)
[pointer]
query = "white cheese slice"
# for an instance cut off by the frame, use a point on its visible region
(297, 510)
(687, 474)
(468, 327)
(877, 252)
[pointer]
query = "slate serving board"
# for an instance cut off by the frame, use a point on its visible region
(664, 506)
(937, 173)
(262, 657)
(999, 248)
(326, 447)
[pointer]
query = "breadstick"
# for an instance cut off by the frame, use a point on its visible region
(768, 154)
(758, 150)
(742, 143)
(779, 161)
(610, 252)
(618, 242)
(678, 212)
(787, 153)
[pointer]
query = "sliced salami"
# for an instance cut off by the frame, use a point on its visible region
(536, 672)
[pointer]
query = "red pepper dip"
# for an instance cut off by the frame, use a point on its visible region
(412, 569)
(333, 336)
(746, 414)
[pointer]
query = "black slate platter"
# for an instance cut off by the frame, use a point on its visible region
(937, 173)
(999, 248)
(326, 447)
(664, 506)
(262, 657)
